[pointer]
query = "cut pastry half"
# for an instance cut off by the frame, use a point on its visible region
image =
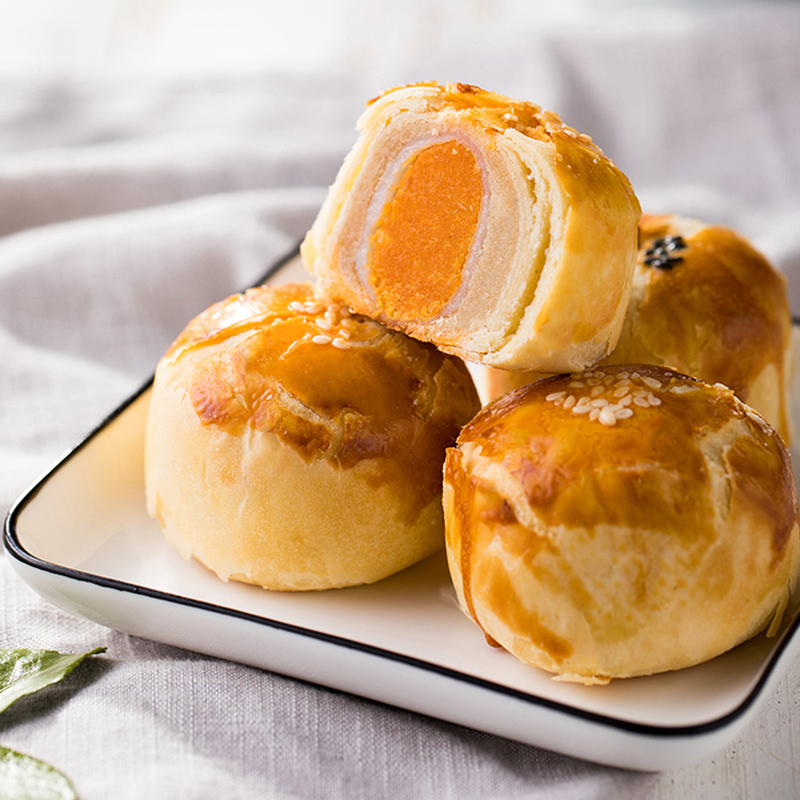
(481, 224)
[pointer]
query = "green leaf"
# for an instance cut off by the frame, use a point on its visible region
(26, 778)
(26, 671)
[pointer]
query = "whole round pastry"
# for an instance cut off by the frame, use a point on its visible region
(624, 521)
(482, 224)
(295, 446)
(704, 302)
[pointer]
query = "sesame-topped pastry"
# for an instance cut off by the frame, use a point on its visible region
(707, 303)
(623, 521)
(481, 224)
(294, 445)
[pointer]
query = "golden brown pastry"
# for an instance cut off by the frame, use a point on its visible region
(481, 224)
(706, 303)
(293, 445)
(623, 521)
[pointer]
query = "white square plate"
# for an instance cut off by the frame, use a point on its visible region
(81, 537)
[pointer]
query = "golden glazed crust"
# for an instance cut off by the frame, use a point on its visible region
(705, 303)
(620, 522)
(481, 224)
(293, 445)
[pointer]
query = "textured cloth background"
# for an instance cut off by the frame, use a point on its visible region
(128, 205)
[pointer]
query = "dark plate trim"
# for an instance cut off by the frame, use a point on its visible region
(18, 552)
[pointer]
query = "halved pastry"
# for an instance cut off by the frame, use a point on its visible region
(481, 224)
(706, 303)
(295, 446)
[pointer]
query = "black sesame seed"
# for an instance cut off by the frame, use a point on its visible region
(661, 252)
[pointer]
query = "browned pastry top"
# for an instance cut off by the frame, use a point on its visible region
(713, 304)
(582, 462)
(328, 383)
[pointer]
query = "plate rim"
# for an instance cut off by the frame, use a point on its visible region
(18, 552)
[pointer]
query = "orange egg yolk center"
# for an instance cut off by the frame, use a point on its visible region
(424, 235)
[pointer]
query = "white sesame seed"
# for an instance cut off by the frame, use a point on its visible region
(341, 344)
(594, 413)
(570, 401)
(597, 390)
(554, 396)
(323, 323)
(581, 408)
(636, 376)
(641, 401)
(344, 333)
(313, 308)
(296, 305)
(592, 382)
(577, 385)
(321, 339)
(621, 391)
(625, 401)
(607, 417)
(623, 413)
(625, 376)
(651, 382)
(653, 400)
(608, 380)
(601, 402)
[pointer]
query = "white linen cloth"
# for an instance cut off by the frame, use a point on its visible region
(128, 206)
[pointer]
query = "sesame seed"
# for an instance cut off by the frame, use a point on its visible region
(554, 396)
(341, 344)
(601, 402)
(570, 401)
(597, 390)
(296, 305)
(313, 308)
(321, 339)
(621, 391)
(607, 417)
(641, 401)
(344, 333)
(577, 385)
(653, 400)
(623, 413)
(323, 323)
(651, 382)
(608, 380)
(594, 414)
(625, 401)
(582, 408)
